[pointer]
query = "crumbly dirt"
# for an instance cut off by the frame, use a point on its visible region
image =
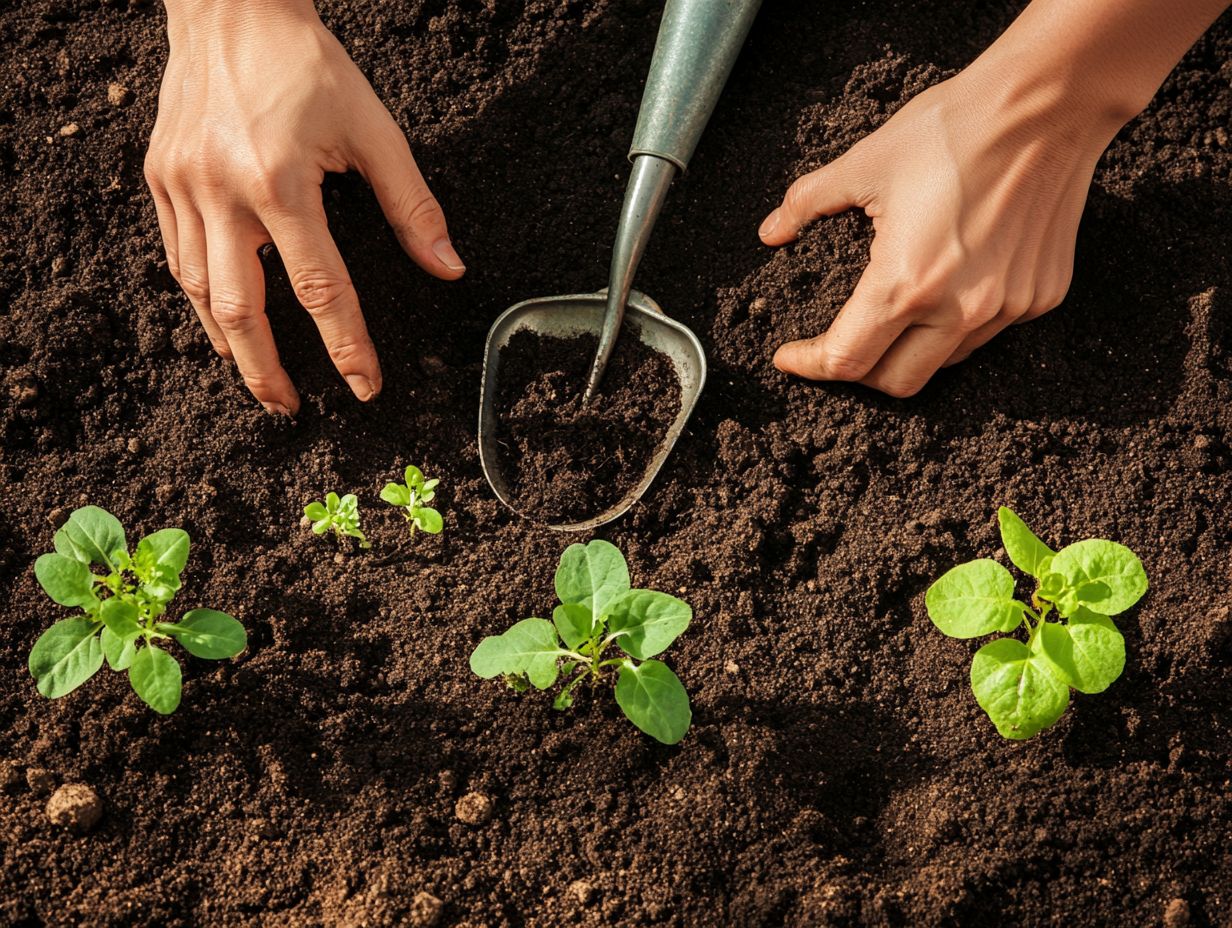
(566, 460)
(838, 771)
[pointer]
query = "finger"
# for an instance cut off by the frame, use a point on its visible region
(166, 223)
(823, 192)
(409, 206)
(321, 283)
(191, 270)
(913, 359)
(860, 334)
(982, 336)
(237, 304)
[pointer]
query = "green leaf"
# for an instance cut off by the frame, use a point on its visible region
(564, 699)
(332, 501)
(316, 512)
(66, 580)
(208, 633)
(648, 621)
(575, 622)
(414, 476)
(119, 653)
(92, 536)
(429, 520)
(593, 574)
(395, 494)
(155, 676)
(1016, 688)
(167, 548)
(120, 616)
(1088, 653)
(974, 599)
(654, 700)
(530, 647)
(1096, 561)
(1028, 553)
(66, 656)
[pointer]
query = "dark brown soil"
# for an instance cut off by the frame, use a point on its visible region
(565, 460)
(839, 771)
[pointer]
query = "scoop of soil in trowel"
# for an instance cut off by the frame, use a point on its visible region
(565, 462)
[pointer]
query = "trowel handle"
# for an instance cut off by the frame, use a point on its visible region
(697, 46)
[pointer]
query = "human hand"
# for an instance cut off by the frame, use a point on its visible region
(258, 101)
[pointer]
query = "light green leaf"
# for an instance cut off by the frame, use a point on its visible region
(66, 580)
(121, 617)
(395, 494)
(429, 520)
(119, 653)
(564, 699)
(414, 476)
(648, 621)
(1017, 689)
(654, 700)
(332, 501)
(1028, 553)
(575, 622)
(974, 599)
(208, 633)
(530, 647)
(155, 676)
(66, 656)
(593, 574)
(167, 548)
(1095, 561)
(1088, 653)
(316, 512)
(91, 535)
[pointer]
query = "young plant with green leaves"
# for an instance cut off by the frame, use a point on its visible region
(123, 607)
(1070, 639)
(598, 611)
(339, 515)
(412, 498)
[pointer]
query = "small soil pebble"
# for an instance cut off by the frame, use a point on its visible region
(69, 130)
(474, 809)
(581, 891)
(135, 446)
(40, 781)
(75, 806)
(119, 95)
(565, 461)
(425, 910)
(10, 775)
(59, 266)
(1176, 914)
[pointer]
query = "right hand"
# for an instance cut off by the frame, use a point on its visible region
(258, 102)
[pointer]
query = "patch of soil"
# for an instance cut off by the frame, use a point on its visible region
(838, 771)
(565, 460)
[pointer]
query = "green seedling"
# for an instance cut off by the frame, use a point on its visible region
(337, 514)
(598, 610)
(122, 611)
(411, 498)
(1070, 639)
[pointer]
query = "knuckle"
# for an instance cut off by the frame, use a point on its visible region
(422, 208)
(232, 313)
(194, 282)
(842, 365)
(346, 351)
(976, 313)
(900, 387)
(318, 291)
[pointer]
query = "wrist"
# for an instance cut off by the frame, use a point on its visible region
(189, 18)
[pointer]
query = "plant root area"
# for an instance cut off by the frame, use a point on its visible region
(349, 769)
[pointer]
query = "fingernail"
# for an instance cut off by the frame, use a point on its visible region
(443, 249)
(361, 386)
(769, 225)
(276, 409)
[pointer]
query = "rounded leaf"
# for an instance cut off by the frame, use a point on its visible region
(92, 536)
(973, 599)
(1017, 689)
(395, 494)
(66, 580)
(208, 633)
(593, 574)
(118, 651)
(1107, 576)
(120, 616)
(166, 548)
(1029, 554)
(649, 621)
(429, 520)
(1088, 653)
(530, 647)
(654, 700)
(575, 622)
(155, 677)
(316, 512)
(66, 656)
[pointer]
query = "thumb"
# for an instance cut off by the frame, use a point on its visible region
(823, 192)
(408, 204)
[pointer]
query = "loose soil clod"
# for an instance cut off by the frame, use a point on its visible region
(75, 806)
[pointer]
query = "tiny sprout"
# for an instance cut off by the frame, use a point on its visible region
(341, 514)
(411, 496)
